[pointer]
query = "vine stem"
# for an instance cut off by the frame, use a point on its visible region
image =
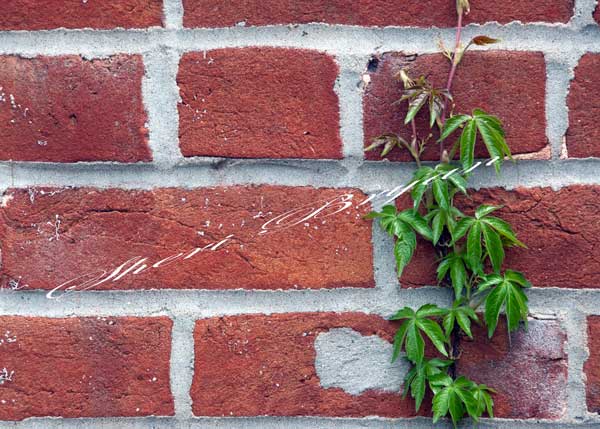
(452, 71)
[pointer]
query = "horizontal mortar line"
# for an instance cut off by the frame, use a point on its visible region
(336, 39)
(208, 303)
(368, 176)
(281, 422)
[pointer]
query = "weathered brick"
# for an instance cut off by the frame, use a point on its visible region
(265, 365)
(592, 365)
(50, 236)
(508, 84)
(255, 365)
(561, 229)
(49, 14)
(67, 109)
(259, 103)
(529, 372)
(584, 108)
(85, 367)
(440, 13)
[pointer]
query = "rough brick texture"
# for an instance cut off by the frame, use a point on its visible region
(273, 359)
(584, 108)
(529, 372)
(592, 365)
(259, 103)
(49, 236)
(561, 229)
(508, 84)
(49, 14)
(67, 109)
(85, 367)
(440, 13)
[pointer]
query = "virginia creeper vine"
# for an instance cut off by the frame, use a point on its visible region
(470, 247)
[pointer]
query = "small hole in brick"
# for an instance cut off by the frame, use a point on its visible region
(373, 64)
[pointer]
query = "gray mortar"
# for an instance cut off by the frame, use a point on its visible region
(562, 46)
(355, 363)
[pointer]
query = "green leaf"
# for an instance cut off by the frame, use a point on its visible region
(437, 225)
(440, 193)
(452, 125)
(461, 228)
(434, 333)
(467, 144)
(494, 247)
(491, 132)
(430, 310)
(504, 229)
(404, 250)
(405, 313)
(415, 345)
(440, 404)
(416, 221)
(458, 275)
(399, 340)
(508, 294)
(485, 210)
(409, 337)
(474, 244)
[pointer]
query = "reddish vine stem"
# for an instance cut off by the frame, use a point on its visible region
(452, 73)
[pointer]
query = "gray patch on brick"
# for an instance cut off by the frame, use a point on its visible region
(355, 363)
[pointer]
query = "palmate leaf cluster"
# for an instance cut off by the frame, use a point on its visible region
(473, 247)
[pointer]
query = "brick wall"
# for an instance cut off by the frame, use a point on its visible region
(136, 131)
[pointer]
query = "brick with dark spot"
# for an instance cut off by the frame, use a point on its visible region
(86, 367)
(584, 108)
(529, 372)
(259, 103)
(53, 235)
(255, 365)
(68, 109)
(510, 85)
(561, 229)
(440, 13)
(50, 14)
(592, 365)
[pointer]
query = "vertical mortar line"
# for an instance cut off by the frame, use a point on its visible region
(182, 365)
(559, 72)
(583, 13)
(161, 96)
(350, 96)
(576, 327)
(173, 14)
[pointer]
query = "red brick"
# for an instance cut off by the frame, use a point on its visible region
(67, 109)
(49, 14)
(561, 229)
(529, 372)
(258, 365)
(584, 108)
(86, 367)
(508, 84)
(440, 13)
(102, 229)
(259, 103)
(592, 365)
(265, 365)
